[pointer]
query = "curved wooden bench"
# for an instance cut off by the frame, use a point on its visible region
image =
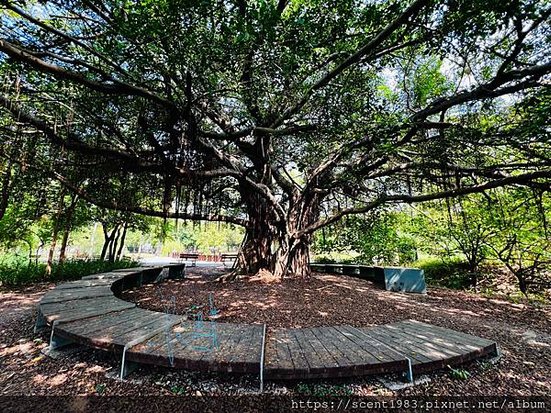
(89, 312)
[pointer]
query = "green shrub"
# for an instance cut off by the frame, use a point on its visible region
(450, 273)
(323, 259)
(15, 272)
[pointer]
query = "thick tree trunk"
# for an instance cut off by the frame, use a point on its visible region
(255, 253)
(299, 259)
(293, 255)
(271, 246)
(292, 258)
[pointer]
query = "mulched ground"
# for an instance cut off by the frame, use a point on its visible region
(523, 332)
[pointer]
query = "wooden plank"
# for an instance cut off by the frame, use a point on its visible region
(76, 294)
(436, 352)
(83, 284)
(300, 362)
(154, 344)
(467, 351)
(463, 337)
(355, 353)
(396, 344)
(115, 340)
(54, 311)
(104, 276)
(131, 324)
(141, 329)
(388, 360)
(271, 355)
(104, 321)
(236, 357)
(328, 360)
(134, 269)
(278, 357)
(380, 352)
(327, 342)
(245, 356)
(53, 308)
(438, 339)
(239, 350)
(406, 347)
(314, 360)
(105, 338)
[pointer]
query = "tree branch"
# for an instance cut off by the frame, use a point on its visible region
(368, 49)
(115, 88)
(409, 199)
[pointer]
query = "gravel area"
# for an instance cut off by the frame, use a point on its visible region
(523, 332)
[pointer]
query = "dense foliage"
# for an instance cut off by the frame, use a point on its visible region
(15, 272)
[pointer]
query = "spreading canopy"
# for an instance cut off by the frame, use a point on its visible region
(281, 116)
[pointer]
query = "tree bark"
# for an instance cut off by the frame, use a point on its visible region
(121, 246)
(5, 193)
(108, 240)
(67, 230)
(114, 242)
(51, 252)
(55, 232)
(255, 253)
(270, 245)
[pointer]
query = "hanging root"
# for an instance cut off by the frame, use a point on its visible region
(265, 276)
(229, 277)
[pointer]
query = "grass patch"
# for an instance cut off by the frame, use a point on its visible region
(17, 272)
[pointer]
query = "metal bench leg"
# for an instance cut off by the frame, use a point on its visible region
(57, 341)
(262, 359)
(40, 322)
(127, 367)
(409, 373)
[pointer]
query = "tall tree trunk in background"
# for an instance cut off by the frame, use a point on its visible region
(113, 245)
(5, 190)
(108, 239)
(55, 233)
(53, 244)
(67, 229)
(121, 246)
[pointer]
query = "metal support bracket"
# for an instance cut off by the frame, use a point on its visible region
(409, 373)
(128, 367)
(57, 341)
(262, 359)
(40, 321)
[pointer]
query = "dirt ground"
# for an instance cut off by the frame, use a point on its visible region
(523, 332)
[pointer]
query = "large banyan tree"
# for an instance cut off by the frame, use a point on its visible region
(280, 116)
